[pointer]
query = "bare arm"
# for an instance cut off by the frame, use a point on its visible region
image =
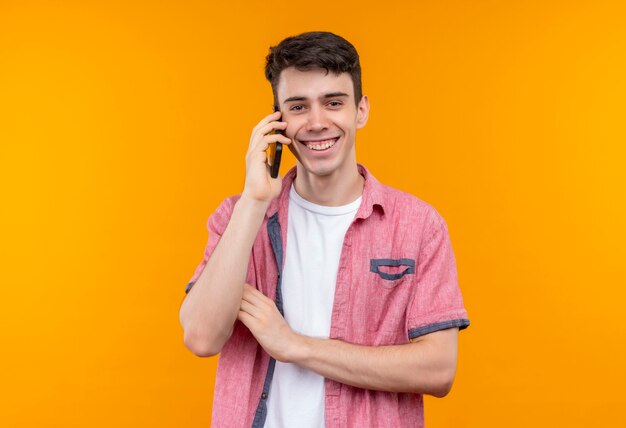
(426, 366)
(210, 309)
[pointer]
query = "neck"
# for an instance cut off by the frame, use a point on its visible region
(338, 188)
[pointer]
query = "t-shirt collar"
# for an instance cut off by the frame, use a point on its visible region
(372, 194)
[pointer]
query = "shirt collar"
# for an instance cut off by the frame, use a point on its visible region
(373, 194)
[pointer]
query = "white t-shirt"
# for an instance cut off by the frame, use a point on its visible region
(314, 239)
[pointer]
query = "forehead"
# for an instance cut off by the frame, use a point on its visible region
(312, 84)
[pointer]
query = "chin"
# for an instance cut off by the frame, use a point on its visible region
(321, 169)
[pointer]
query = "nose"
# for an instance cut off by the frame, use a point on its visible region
(317, 120)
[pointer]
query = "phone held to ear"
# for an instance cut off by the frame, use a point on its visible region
(276, 150)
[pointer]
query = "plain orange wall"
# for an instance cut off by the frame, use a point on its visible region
(123, 124)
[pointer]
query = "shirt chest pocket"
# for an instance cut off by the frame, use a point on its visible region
(381, 299)
(392, 271)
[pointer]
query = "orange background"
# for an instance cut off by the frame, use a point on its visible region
(124, 124)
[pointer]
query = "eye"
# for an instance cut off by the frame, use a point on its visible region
(296, 107)
(335, 104)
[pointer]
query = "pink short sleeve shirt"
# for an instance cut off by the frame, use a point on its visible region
(397, 280)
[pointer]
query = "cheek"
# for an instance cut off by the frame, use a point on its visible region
(346, 122)
(292, 129)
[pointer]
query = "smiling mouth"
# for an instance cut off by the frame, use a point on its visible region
(320, 145)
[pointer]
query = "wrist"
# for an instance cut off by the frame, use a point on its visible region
(251, 205)
(300, 349)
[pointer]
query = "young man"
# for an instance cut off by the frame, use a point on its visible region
(332, 298)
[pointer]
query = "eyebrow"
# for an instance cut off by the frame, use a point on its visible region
(328, 95)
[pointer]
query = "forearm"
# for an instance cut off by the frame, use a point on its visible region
(425, 367)
(210, 309)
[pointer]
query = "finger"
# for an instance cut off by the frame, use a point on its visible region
(272, 126)
(250, 309)
(264, 142)
(262, 145)
(255, 297)
(281, 138)
(251, 297)
(246, 319)
(270, 117)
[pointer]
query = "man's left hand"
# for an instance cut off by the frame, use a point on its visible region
(260, 314)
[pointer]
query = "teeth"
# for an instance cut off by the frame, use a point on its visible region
(322, 146)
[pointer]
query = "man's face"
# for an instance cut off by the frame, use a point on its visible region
(322, 118)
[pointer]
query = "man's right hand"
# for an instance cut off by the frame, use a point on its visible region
(210, 310)
(260, 186)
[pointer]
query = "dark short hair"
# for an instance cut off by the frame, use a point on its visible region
(314, 50)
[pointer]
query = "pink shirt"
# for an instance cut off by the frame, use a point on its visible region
(397, 280)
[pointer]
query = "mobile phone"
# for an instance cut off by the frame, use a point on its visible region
(276, 150)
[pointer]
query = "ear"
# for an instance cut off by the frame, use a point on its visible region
(363, 111)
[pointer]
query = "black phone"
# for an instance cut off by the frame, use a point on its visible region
(276, 151)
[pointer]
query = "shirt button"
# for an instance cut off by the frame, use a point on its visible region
(264, 396)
